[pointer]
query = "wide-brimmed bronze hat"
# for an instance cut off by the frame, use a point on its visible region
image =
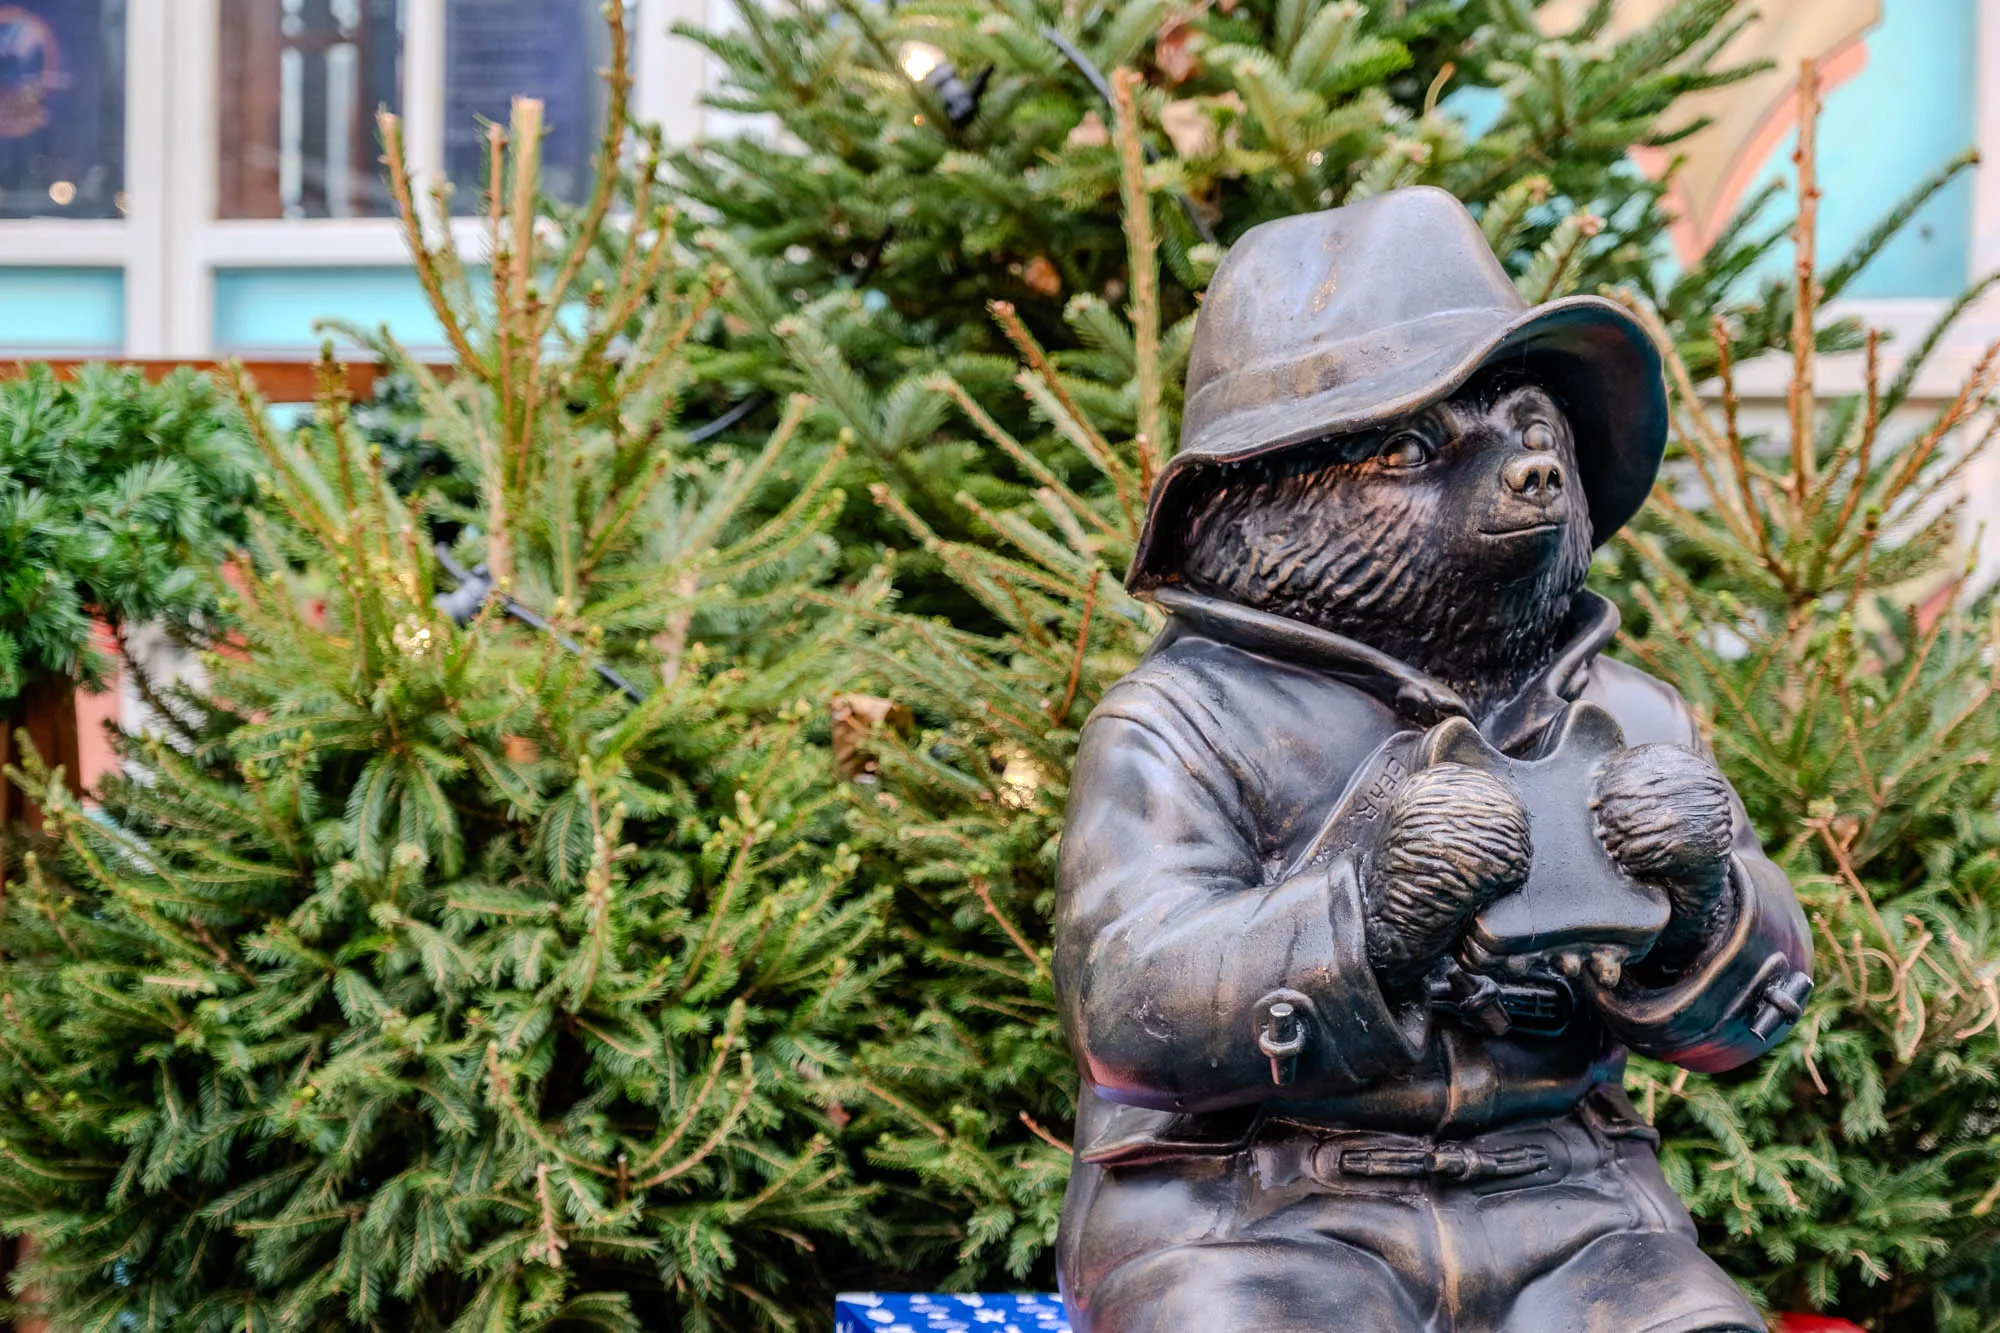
(1330, 323)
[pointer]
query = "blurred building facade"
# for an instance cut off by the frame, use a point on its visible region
(188, 178)
(1908, 85)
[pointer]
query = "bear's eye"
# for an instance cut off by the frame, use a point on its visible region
(1405, 449)
(1539, 437)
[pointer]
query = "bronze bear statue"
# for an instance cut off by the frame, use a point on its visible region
(1376, 868)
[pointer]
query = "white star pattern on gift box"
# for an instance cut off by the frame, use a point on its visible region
(867, 1312)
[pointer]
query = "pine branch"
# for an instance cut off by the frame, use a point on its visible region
(1805, 302)
(1145, 277)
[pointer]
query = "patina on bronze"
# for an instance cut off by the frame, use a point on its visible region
(1375, 869)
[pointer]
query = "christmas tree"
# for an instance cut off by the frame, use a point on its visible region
(956, 152)
(475, 950)
(899, 167)
(1808, 594)
(113, 493)
(903, 166)
(1850, 1171)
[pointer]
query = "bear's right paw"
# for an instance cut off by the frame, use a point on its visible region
(1456, 838)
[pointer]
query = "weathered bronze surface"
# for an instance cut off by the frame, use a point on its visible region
(1375, 869)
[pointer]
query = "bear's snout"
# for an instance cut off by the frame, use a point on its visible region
(1536, 477)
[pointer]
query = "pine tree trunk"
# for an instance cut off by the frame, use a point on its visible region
(46, 711)
(13, 1250)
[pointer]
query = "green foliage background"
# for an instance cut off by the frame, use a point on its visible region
(115, 497)
(417, 974)
(420, 976)
(867, 232)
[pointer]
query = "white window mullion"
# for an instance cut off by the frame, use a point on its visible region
(64, 243)
(189, 197)
(672, 73)
(149, 168)
(423, 96)
(1985, 255)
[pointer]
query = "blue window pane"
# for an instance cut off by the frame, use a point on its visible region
(53, 311)
(277, 309)
(62, 108)
(496, 50)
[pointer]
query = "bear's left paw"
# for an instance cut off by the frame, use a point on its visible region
(1663, 813)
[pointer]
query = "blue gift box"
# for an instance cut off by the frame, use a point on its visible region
(866, 1312)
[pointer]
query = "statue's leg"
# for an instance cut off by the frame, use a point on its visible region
(1635, 1282)
(1307, 1286)
(1199, 1246)
(1642, 1271)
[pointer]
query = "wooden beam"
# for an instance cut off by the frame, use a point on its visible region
(280, 380)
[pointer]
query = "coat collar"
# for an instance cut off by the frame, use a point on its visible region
(1419, 698)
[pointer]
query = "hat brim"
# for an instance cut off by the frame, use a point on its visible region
(1591, 354)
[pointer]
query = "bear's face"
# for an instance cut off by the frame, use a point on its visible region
(1454, 539)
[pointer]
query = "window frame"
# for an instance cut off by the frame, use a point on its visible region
(170, 244)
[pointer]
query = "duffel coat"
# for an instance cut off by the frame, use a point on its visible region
(1200, 779)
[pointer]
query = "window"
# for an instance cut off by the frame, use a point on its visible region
(496, 50)
(62, 108)
(180, 178)
(299, 83)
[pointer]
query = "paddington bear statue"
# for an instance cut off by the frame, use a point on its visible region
(1376, 868)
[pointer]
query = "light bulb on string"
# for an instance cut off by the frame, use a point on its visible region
(926, 64)
(919, 59)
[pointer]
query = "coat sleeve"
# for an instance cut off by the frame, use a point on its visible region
(1171, 947)
(1743, 994)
